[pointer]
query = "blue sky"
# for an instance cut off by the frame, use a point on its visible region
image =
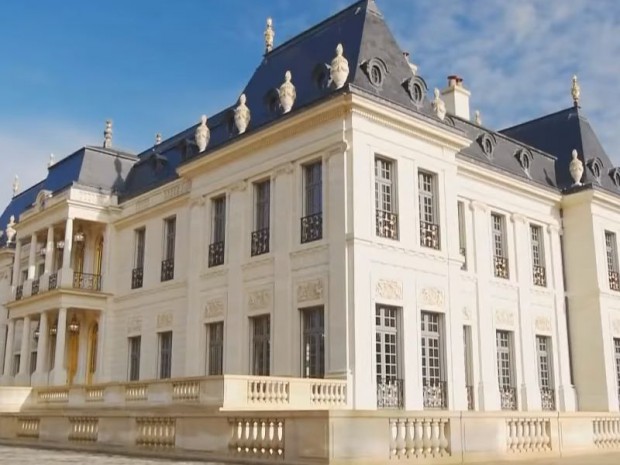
(156, 66)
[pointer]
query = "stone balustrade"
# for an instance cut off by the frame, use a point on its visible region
(606, 432)
(84, 429)
(136, 392)
(257, 437)
(156, 432)
(28, 427)
(186, 390)
(528, 435)
(46, 395)
(419, 437)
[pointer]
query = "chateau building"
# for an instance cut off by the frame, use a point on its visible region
(338, 223)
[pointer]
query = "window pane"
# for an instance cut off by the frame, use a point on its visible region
(313, 189)
(169, 238)
(504, 359)
(384, 185)
(219, 219)
(261, 334)
(134, 358)
(313, 343)
(215, 348)
(165, 355)
(262, 193)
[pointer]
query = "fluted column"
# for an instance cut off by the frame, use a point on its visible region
(49, 250)
(59, 374)
(32, 263)
(8, 353)
(23, 376)
(40, 374)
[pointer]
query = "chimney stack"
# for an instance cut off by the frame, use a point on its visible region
(456, 98)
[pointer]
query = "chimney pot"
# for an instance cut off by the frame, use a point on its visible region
(456, 97)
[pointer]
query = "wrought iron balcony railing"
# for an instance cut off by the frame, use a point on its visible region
(312, 228)
(167, 270)
(500, 266)
(508, 397)
(614, 281)
(387, 224)
(86, 281)
(429, 235)
(137, 278)
(35, 287)
(216, 254)
(470, 397)
(53, 282)
(435, 394)
(19, 292)
(260, 242)
(389, 393)
(547, 396)
(539, 274)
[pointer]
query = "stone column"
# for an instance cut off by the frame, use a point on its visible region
(106, 281)
(40, 374)
(101, 375)
(59, 373)
(66, 254)
(17, 262)
(49, 250)
(23, 376)
(32, 258)
(8, 353)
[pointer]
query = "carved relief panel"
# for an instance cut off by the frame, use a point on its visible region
(260, 300)
(310, 291)
(387, 289)
(504, 318)
(215, 307)
(165, 320)
(431, 298)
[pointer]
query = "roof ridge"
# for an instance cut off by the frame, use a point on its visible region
(540, 118)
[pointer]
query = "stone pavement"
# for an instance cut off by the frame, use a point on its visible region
(596, 459)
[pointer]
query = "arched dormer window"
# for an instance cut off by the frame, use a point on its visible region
(596, 168)
(375, 70)
(416, 89)
(614, 173)
(524, 157)
(487, 143)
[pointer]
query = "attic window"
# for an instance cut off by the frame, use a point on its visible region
(596, 167)
(487, 144)
(416, 88)
(615, 176)
(524, 158)
(271, 101)
(375, 69)
(376, 76)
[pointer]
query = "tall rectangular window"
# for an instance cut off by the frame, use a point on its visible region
(218, 231)
(261, 345)
(313, 343)
(312, 220)
(137, 275)
(260, 235)
(507, 390)
(469, 370)
(134, 358)
(617, 357)
(460, 206)
(387, 358)
(215, 349)
(611, 248)
(433, 379)
(167, 265)
(385, 201)
(429, 217)
(500, 254)
(165, 355)
(545, 372)
(539, 274)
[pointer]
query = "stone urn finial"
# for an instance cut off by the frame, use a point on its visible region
(10, 230)
(50, 163)
(158, 138)
(15, 185)
(339, 68)
(269, 36)
(203, 135)
(575, 91)
(107, 135)
(242, 115)
(439, 106)
(478, 118)
(576, 168)
(287, 93)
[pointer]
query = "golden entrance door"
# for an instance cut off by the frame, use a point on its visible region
(72, 359)
(93, 336)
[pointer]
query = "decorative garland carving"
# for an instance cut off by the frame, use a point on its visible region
(310, 290)
(391, 290)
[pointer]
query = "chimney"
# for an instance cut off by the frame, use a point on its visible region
(456, 98)
(414, 68)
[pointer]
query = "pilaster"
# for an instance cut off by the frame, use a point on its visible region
(23, 376)
(7, 377)
(58, 376)
(39, 377)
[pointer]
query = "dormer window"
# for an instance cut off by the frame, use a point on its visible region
(487, 143)
(416, 88)
(525, 159)
(375, 69)
(272, 101)
(614, 173)
(596, 168)
(320, 76)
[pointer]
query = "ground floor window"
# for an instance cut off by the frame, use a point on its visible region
(505, 371)
(261, 345)
(545, 372)
(33, 361)
(433, 379)
(313, 342)
(617, 356)
(215, 349)
(134, 358)
(165, 355)
(387, 358)
(468, 358)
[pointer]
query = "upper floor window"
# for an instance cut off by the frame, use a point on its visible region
(313, 343)
(167, 265)
(261, 343)
(429, 219)
(545, 372)
(312, 219)
(218, 231)
(617, 359)
(165, 355)
(138, 261)
(500, 255)
(462, 234)
(611, 248)
(387, 357)
(134, 358)
(505, 370)
(385, 201)
(260, 235)
(215, 349)
(538, 256)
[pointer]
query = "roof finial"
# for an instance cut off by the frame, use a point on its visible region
(50, 163)
(158, 138)
(203, 134)
(242, 115)
(339, 71)
(439, 105)
(107, 135)
(15, 185)
(576, 168)
(10, 230)
(269, 36)
(576, 91)
(478, 118)
(287, 93)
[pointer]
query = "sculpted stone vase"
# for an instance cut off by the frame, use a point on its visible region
(339, 68)
(202, 134)
(576, 168)
(242, 115)
(287, 93)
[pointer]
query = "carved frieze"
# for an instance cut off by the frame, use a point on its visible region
(310, 290)
(214, 308)
(259, 300)
(504, 317)
(543, 323)
(164, 320)
(431, 297)
(390, 290)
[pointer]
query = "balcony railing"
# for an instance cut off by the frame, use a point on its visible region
(86, 281)
(614, 281)
(508, 398)
(167, 270)
(539, 274)
(389, 393)
(470, 397)
(260, 242)
(429, 235)
(435, 394)
(35, 287)
(137, 278)
(387, 224)
(312, 228)
(53, 283)
(216, 254)
(19, 292)
(500, 265)
(547, 396)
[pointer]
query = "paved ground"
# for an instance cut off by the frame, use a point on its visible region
(22, 456)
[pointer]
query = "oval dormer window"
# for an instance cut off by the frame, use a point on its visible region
(487, 143)
(524, 157)
(596, 168)
(376, 75)
(375, 70)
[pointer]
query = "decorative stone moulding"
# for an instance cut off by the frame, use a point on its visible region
(203, 135)
(242, 115)
(439, 106)
(287, 93)
(576, 168)
(339, 71)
